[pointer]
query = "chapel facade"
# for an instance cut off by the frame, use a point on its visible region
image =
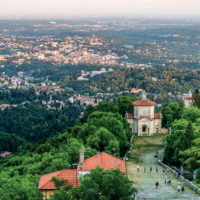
(144, 121)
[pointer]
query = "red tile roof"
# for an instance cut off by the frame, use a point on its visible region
(70, 175)
(104, 161)
(189, 98)
(146, 102)
(130, 116)
(157, 116)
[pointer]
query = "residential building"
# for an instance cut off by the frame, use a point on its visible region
(72, 176)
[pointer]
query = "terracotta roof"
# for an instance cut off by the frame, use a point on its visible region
(146, 102)
(130, 116)
(189, 98)
(104, 161)
(70, 175)
(157, 116)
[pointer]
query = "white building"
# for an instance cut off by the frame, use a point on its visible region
(144, 121)
(188, 99)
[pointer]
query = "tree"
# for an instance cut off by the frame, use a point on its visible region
(191, 114)
(197, 176)
(191, 157)
(106, 185)
(189, 136)
(196, 98)
(103, 140)
(174, 144)
(107, 107)
(171, 111)
(59, 183)
(124, 104)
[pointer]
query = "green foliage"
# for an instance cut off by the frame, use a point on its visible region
(104, 131)
(11, 143)
(196, 98)
(192, 114)
(191, 156)
(197, 175)
(99, 131)
(183, 144)
(20, 173)
(33, 122)
(170, 112)
(59, 183)
(188, 136)
(174, 142)
(110, 184)
(124, 104)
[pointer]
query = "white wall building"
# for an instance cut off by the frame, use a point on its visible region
(144, 121)
(188, 99)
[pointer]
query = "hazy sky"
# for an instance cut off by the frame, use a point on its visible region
(100, 7)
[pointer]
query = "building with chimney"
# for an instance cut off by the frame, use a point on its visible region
(144, 121)
(72, 176)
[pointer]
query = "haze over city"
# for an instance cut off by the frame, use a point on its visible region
(100, 8)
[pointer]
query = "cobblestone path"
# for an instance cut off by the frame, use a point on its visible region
(143, 155)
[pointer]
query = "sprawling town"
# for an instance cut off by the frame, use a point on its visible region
(103, 108)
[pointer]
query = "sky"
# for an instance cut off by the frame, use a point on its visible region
(100, 8)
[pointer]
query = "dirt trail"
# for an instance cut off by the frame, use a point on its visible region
(143, 155)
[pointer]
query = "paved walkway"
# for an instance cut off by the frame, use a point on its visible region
(143, 155)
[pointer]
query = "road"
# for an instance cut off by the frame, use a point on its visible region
(143, 155)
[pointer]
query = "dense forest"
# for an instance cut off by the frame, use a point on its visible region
(32, 122)
(173, 80)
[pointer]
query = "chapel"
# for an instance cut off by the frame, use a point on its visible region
(144, 121)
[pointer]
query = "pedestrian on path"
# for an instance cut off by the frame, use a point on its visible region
(157, 169)
(144, 169)
(157, 183)
(163, 170)
(138, 168)
(179, 188)
(150, 169)
(182, 188)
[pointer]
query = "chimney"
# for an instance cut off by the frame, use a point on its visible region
(81, 158)
(98, 154)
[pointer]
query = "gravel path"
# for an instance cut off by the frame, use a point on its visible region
(143, 156)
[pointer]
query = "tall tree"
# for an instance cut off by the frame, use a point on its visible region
(196, 98)
(110, 184)
(188, 136)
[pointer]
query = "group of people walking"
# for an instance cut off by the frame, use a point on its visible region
(168, 180)
(150, 169)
